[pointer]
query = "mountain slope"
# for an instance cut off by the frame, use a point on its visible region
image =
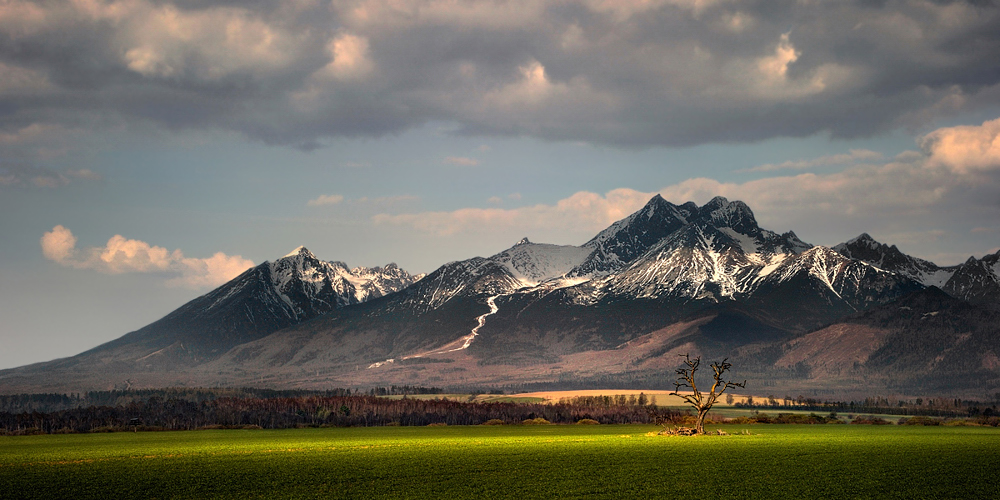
(532, 305)
(926, 343)
(866, 249)
(533, 263)
(258, 302)
(975, 280)
(667, 279)
(627, 239)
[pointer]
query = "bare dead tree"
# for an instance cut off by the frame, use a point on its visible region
(702, 402)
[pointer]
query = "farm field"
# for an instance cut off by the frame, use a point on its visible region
(599, 461)
(663, 400)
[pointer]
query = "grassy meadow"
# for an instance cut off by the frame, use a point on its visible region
(547, 461)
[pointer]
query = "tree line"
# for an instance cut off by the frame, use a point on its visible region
(50, 402)
(157, 413)
(931, 407)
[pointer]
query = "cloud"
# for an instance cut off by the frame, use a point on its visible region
(965, 149)
(357, 164)
(122, 255)
(461, 161)
(210, 272)
(957, 170)
(59, 244)
(336, 199)
(854, 156)
(350, 57)
(949, 189)
(384, 200)
(622, 73)
(24, 174)
(326, 199)
(583, 211)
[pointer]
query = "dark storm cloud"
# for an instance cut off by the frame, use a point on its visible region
(625, 73)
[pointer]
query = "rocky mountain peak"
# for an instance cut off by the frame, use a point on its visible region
(721, 212)
(715, 203)
(864, 247)
(301, 251)
(627, 239)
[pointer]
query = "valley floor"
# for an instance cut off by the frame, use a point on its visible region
(548, 461)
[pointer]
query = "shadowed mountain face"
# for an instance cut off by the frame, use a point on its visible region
(926, 343)
(975, 280)
(262, 300)
(258, 302)
(666, 280)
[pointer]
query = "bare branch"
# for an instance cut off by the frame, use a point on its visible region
(702, 403)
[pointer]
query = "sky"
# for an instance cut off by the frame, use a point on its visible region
(150, 150)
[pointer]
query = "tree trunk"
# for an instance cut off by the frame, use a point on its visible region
(699, 426)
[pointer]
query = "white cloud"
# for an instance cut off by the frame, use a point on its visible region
(965, 149)
(583, 212)
(59, 244)
(326, 199)
(917, 197)
(461, 161)
(774, 82)
(774, 68)
(164, 41)
(122, 255)
(854, 156)
(402, 198)
(210, 272)
(350, 57)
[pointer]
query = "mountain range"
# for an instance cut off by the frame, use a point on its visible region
(617, 310)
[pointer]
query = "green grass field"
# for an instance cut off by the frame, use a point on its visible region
(568, 461)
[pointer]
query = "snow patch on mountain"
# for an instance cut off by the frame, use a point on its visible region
(936, 277)
(534, 263)
(866, 249)
(747, 243)
(304, 282)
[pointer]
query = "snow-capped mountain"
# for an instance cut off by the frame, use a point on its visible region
(521, 267)
(674, 254)
(533, 263)
(309, 286)
(473, 277)
(667, 279)
(720, 253)
(657, 266)
(258, 302)
(867, 249)
(625, 240)
(975, 280)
